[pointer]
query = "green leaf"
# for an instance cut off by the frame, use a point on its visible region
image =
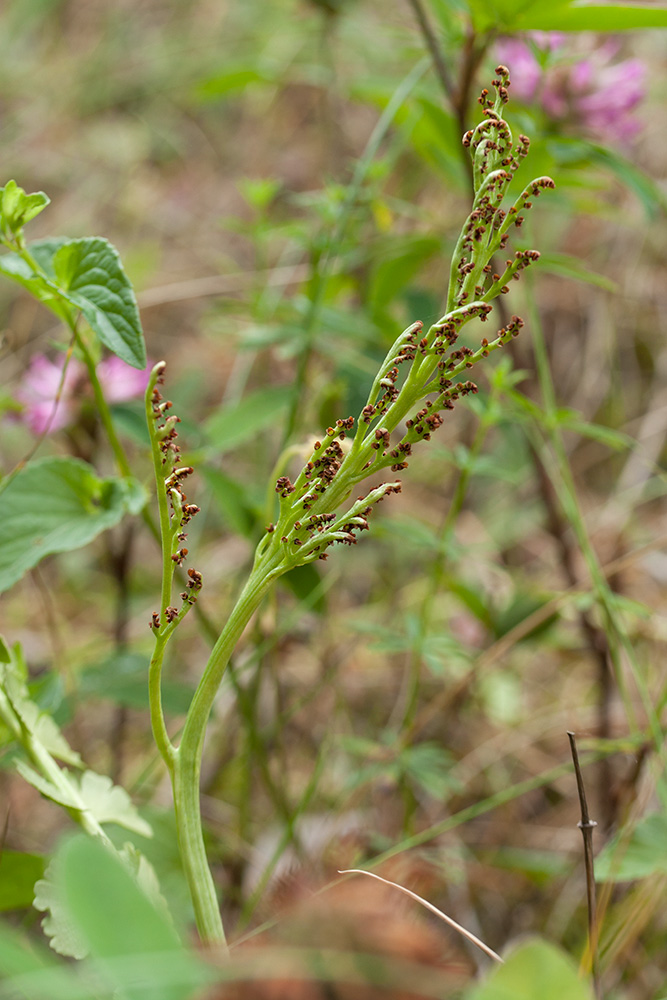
(28, 970)
(55, 505)
(590, 17)
(61, 931)
(233, 80)
(43, 289)
(115, 920)
(568, 266)
(110, 803)
(92, 275)
(65, 796)
(232, 426)
(305, 582)
(505, 14)
(17, 207)
(535, 970)
(18, 873)
(233, 501)
(43, 729)
(649, 193)
(121, 678)
(642, 855)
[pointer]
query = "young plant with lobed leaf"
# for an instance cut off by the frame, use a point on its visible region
(316, 510)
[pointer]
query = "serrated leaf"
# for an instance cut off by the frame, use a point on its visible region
(91, 272)
(18, 873)
(116, 921)
(62, 796)
(55, 505)
(59, 928)
(110, 803)
(535, 970)
(641, 855)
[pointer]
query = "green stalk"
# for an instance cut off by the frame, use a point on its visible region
(187, 760)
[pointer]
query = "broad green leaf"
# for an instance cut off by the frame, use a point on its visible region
(643, 854)
(535, 970)
(590, 17)
(568, 266)
(117, 921)
(505, 14)
(91, 273)
(58, 504)
(18, 873)
(28, 971)
(234, 425)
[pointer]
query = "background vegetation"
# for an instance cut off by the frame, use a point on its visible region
(408, 702)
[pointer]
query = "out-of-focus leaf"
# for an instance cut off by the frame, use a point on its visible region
(643, 854)
(305, 582)
(232, 426)
(505, 14)
(116, 920)
(91, 792)
(539, 866)
(62, 933)
(644, 187)
(122, 679)
(232, 498)
(58, 504)
(25, 713)
(590, 17)
(535, 970)
(18, 873)
(568, 266)
(233, 80)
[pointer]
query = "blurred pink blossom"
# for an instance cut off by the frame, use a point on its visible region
(39, 389)
(120, 381)
(593, 93)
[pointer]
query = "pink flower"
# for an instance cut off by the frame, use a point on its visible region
(593, 93)
(39, 393)
(45, 412)
(120, 381)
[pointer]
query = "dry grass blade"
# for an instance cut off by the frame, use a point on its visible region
(429, 906)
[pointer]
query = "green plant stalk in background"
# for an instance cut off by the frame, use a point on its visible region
(308, 521)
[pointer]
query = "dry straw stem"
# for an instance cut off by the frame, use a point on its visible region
(429, 906)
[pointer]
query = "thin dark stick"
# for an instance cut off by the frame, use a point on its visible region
(434, 48)
(586, 825)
